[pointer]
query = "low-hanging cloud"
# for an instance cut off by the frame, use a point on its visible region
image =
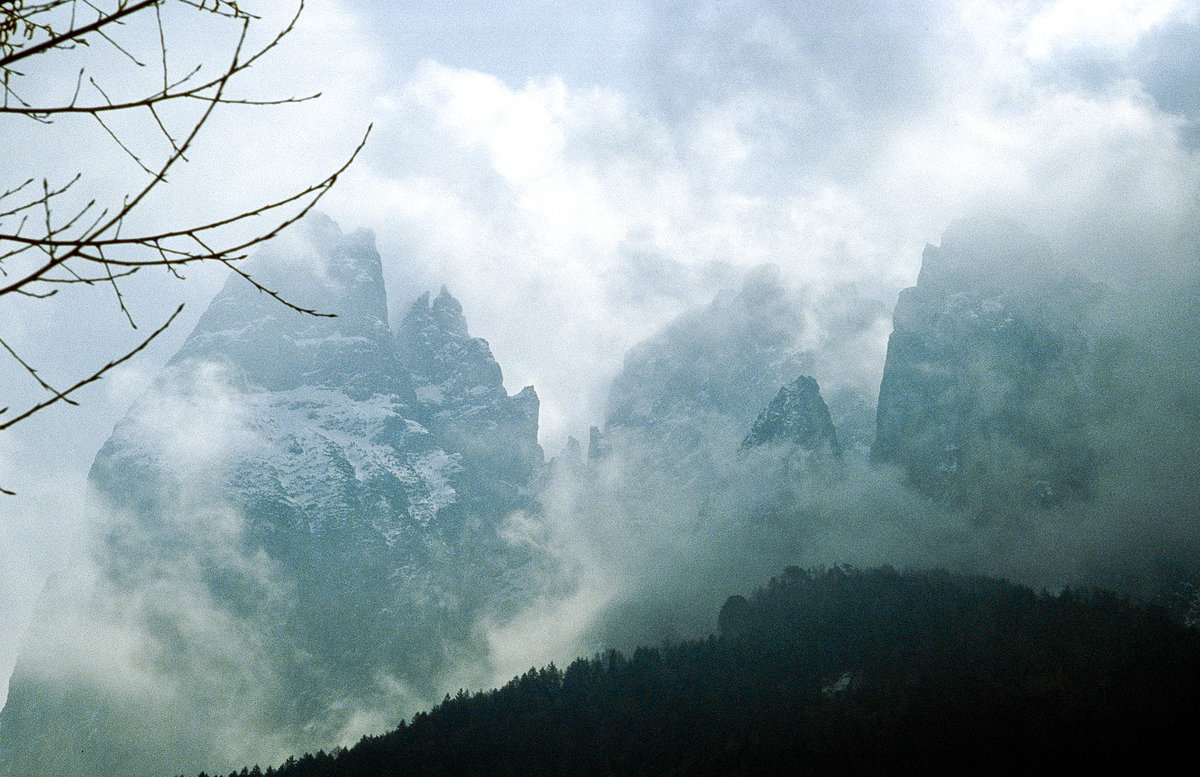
(531, 195)
(576, 210)
(657, 534)
(174, 629)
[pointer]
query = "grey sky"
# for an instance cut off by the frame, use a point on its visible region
(579, 174)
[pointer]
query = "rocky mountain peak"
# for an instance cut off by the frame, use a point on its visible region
(444, 360)
(796, 416)
(269, 345)
(460, 390)
(724, 360)
(284, 474)
(985, 255)
(446, 311)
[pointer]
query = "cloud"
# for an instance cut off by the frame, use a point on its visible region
(173, 629)
(832, 141)
(161, 620)
(130, 637)
(583, 176)
(1116, 26)
(572, 224)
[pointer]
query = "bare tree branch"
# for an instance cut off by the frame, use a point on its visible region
(74, 34)
(60, 396)
(48, 239)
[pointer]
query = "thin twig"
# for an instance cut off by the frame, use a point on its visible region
(74, 34)
(64, 249)
(95, 376)
(32, 372)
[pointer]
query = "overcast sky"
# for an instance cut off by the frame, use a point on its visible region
(580, 173)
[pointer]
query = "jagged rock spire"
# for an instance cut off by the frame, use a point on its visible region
(273, 347)
(796, 416)
(440, 354)
(460, 390)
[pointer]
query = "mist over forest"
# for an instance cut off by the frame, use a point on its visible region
(637, 305)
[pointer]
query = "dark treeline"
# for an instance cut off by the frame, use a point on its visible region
(834, 672)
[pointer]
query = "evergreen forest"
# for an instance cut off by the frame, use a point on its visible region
(831, 672)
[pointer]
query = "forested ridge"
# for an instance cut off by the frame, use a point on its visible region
(840, 671)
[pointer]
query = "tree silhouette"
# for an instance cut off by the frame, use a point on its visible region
(835, 672)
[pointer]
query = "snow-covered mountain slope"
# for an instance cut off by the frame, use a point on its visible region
(313, 499)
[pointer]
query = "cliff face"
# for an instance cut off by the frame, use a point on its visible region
(308, 532)
(989, 375)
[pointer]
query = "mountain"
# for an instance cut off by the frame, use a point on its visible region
(798, 417)
(722, 361)
(306, 536)
(686, 396)
(460, 391)
(992, 375)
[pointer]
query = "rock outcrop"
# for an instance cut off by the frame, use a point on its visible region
(460, 392)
